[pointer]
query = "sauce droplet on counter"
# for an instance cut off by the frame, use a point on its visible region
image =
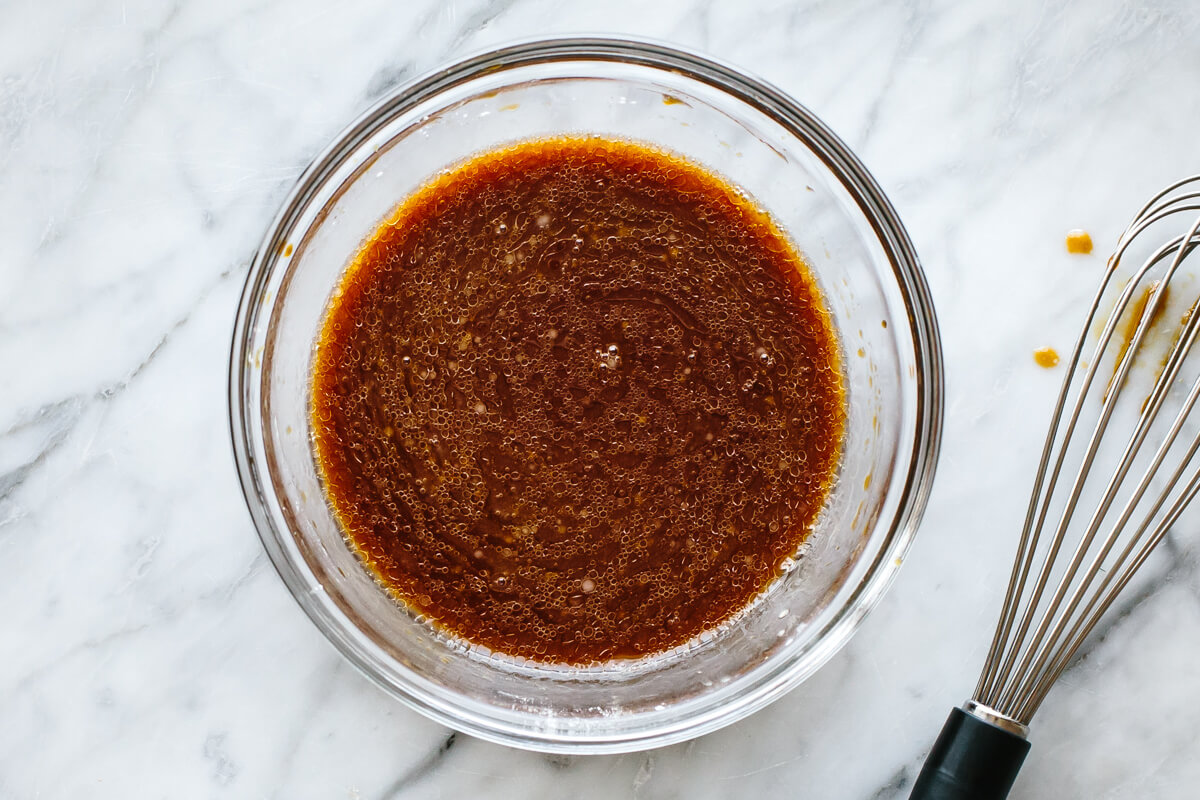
(1046, 357)
(1079, 241)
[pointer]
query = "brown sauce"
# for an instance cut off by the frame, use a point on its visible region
(577, 400)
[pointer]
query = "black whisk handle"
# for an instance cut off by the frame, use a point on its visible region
(971, 760)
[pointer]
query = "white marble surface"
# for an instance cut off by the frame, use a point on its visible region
(149, 650)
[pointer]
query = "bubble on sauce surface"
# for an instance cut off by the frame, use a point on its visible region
(636, 403)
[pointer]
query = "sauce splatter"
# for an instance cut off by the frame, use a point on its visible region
(1133, 315)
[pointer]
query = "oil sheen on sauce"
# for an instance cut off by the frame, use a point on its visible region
(577, 400)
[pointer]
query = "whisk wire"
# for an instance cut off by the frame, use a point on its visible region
(1048, 643)
(1133, 447)
(1104, 599)
(1032, 533)
(1025, 553)
(1033, 656)
(1105, 595)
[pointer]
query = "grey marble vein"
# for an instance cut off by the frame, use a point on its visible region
(412, 777)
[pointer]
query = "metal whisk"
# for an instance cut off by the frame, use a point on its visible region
(1086, 534)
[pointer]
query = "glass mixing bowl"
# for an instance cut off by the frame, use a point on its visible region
(816, 190)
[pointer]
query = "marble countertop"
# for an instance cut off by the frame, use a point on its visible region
(150, 650)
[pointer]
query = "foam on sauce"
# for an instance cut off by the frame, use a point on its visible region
(577, 399)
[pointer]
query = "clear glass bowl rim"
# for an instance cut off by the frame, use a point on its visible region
(820, 141)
